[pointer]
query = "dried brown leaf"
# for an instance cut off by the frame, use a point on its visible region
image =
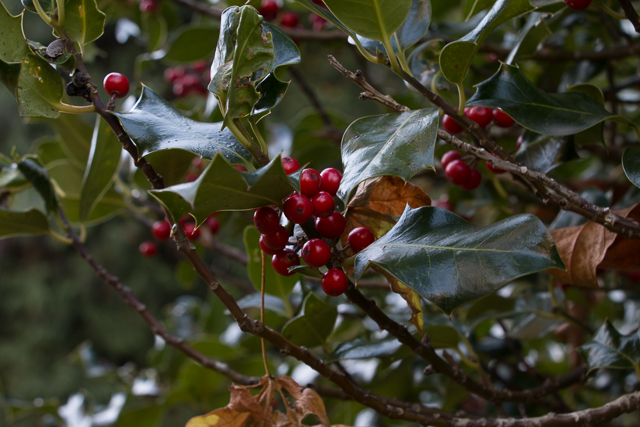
(590, 246)
(410, 296)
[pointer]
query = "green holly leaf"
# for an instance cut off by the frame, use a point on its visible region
(631, 165)
(610, 349)
(546, 113)
(9, 76)
(193, 43)
(457, 56)
(74, 138)
(398, 144)
(39, 178)
(361, 349)
(313, 325)
(84, 22)
(373, 19)
(154, 125)
(275, 284)
(450, 262)
(15, 223)
(223, 188)
(102, 167)
(13, 47)
(544, 153)
(326, 14)
(47, 5)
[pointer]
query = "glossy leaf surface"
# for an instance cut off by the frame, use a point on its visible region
(398, 144)
(544, 153)
(314, 325)
(39, 88)
(221, 187)
(153, 124)
(457, 56)
(39, 178)
(373, 19)
(546, 113)
(84, 21)
(360, 349)
(450, 262)
(631, 165)
(610, 349)
(101, 169)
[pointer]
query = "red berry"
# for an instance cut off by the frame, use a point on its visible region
(359, 238)
(332, 226)
(297, 208)
(480, 115)
(148, 249)
(290, 20)
(190, 177)
(269, 9)
(319, 3)
(331, 179)
(457, 172)
(173, 74)
(444, 204)
(323, 204)
(199, 66)
(502, 119)
(310, 182)
(266, 249)
(148, 6)
(474, 180)
(196, 162)
(278, 240)
(186, 219)
(316, 253)
(494, 170)
(317, 22)
(192, 232)
(334, 282)
(449, 157)
(161, 230)
(450, 125)
(179, 89)
(213, 224)
(578, 4)
(266, 220)
(290, 165)
(116, 83)
(240, 168)
(283, 260)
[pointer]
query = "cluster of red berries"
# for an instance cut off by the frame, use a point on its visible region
(189, 80)
(314, 200)
(116, 84)
(458, 172)
(483, 116)
(161, 230)
(270, 9)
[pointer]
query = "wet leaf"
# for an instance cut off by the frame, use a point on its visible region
(590, 246)
(450, 262)
(610, 349)
(398, 144)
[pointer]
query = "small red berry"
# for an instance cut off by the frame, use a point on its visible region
(283, 260)
(317, 22)
(266, 220)
(334, 282)
(290, 20)
(474, 180)
(199, 66)
(269, 9)
(443, 203)
(332, 226)
(240, 168)
(173, 74)
(278, 240)
(331, 179)
(323, 204)
(116, 83)
(457, 172)
(319, 3)
(213, 224)
(186, 219)
(191, 177)
(148, 6)
(161, 229)
(310, 182)
(480, 115)
(502, 119)
(494, 170)
(450, 125)
(196, 162)
(290, 165)
(266, 249)
(316, 253)
(148, 249)
(449, 157)
(359, 238)
(578, 4)
(297, 208)
(192, 232)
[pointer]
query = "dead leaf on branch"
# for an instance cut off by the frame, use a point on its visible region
(376, 205)
(246, 410)
(590, 246)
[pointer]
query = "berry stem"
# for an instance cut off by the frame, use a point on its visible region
(46, 18)
(60, 4)
(240, 132)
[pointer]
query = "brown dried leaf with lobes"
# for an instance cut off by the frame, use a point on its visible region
(590, 246)
(247, 410)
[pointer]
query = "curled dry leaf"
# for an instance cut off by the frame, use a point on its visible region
(590, 246)
(246, 410)
(376, 204)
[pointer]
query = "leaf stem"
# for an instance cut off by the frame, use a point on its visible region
(74, 109)
(258, 135)
(60, 4)
(46, 18)
(262, 286)
(60, 238)
(612, 12)
(401, 56)
(364, 50)
(462, 100)
(239, 131)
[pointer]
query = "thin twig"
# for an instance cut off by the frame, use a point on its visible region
(311, 96)
(631, 14)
